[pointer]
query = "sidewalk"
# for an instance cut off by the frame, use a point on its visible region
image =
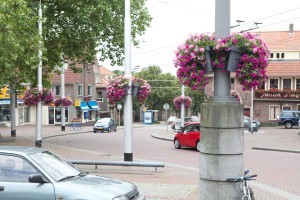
(171, 182)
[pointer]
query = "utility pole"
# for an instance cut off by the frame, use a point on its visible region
(128, 155)
(222, 134)
(38, 132)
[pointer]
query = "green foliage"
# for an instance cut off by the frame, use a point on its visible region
(19, 42)
(77, 29)
(164, 87)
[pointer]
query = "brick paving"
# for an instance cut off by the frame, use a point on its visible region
(172, 183)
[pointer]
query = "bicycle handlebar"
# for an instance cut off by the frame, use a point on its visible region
(241, 178)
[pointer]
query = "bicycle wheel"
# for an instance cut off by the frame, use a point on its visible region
(245, 197)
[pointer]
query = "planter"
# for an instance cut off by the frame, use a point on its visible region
(208, 67)
(234, 58)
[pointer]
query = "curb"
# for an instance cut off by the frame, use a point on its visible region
(279, 150)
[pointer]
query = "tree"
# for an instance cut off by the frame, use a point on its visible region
(81, 29)
(19, 42)
(164, 87)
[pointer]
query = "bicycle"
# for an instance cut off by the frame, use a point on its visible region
(248, 193)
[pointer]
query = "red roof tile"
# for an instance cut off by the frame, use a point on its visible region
(283, 68)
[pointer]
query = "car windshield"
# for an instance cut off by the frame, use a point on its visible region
(104, 120)
(55, 166)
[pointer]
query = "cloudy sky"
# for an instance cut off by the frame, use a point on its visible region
(174, 20)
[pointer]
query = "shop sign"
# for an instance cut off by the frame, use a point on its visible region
(278, 95)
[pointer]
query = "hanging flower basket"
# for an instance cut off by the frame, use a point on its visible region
(32, 97)
(47, 96)
(180, 99)
(142, 87)
(243, 53)
(63, 102)
(191, 61)
(117, 89)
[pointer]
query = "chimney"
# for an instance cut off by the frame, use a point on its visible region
(291, 29)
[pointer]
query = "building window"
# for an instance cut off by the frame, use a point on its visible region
(287, 107)
(287, 84)
(282, 55)
(57, 90)
(273, 83)
(277, 55)
(273, 112)
(99, 95)
(80, 90)
(262, 86)
(272, 55)
(297, 84)
(90, 91)
(298, 106)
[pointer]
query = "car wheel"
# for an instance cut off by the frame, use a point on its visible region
(288, 125)
(198, 145)
(108, 130)
(115, 129)
(177, 144)
(95, 131)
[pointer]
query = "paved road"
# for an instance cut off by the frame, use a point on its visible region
(278, 171)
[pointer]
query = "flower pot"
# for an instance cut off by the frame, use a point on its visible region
(208, 67)
(135, 90)
(234, 58)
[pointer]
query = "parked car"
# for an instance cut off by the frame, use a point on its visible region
(171, 119)
(105, 124)
(289, 118)
(188, 137)
(247, 121)
(31, 173)
(187, 120)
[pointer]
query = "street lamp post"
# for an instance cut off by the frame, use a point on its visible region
(62, 95)
(182, 109)
(38, 133)
(128, 155)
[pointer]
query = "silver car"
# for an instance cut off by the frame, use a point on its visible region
(30, 173)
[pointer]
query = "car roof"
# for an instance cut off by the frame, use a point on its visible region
(22, 150)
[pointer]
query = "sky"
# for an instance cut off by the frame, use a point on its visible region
(174, 20)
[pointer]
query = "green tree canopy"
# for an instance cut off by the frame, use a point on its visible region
(164, 86)
(77, 29)
(18, 42)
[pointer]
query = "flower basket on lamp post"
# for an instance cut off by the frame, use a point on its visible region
(118, 87)
(243, 53)
(63, 102)
(182, 99)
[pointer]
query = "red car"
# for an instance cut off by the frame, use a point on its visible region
(189, 136)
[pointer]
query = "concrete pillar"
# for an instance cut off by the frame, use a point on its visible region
(221, 151)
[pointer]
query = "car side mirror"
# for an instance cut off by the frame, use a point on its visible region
(36, 178)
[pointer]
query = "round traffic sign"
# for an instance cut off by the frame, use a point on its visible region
(166, 106)
(119, 106)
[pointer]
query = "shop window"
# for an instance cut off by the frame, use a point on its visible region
(80, 90)
(273, 83)
(273, 112)
(287, 84)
